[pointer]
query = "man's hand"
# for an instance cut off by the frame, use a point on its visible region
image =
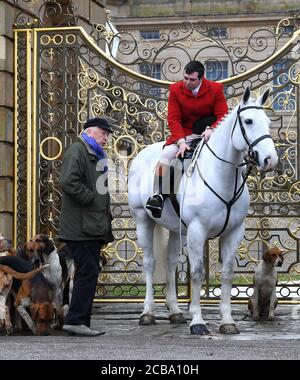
(206, 134)
(182, 148)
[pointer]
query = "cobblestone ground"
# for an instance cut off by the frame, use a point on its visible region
(126, 340)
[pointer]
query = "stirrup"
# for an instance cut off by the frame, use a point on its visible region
(155, 204)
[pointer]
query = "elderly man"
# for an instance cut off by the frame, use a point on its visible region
(85, 222)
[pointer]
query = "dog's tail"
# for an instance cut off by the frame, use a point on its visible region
(8, 252)
(22, 276)
(12, 252)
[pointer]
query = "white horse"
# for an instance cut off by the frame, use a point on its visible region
(213, 200)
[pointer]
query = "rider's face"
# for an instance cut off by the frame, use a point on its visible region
(191, 81)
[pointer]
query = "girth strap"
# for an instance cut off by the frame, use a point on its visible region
(172, 195)
(176, 206)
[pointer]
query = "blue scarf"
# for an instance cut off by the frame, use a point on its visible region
(97, 149)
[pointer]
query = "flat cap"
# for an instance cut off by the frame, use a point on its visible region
(98, 122)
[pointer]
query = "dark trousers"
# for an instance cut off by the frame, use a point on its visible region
(86, 255)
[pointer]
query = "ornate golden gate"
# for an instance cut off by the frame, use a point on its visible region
(62, 77)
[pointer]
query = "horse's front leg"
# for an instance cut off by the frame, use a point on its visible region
(195, 244)
(175, 314)
(230, 244)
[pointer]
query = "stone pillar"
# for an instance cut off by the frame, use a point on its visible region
(6, 119)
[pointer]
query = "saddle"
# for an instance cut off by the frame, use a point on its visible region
(189, 153)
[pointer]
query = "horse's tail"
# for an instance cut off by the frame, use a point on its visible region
(160, 245)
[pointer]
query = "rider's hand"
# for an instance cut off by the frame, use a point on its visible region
(206, 134)
(182, 148)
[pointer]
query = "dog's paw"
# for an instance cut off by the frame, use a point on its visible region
(271, 318)
(9, 329)
(255, 317)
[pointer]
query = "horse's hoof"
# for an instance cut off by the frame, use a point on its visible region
(147, 320)
(177, 319)
(229, 328)
(199, 330)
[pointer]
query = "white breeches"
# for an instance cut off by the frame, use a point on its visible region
(169, 151)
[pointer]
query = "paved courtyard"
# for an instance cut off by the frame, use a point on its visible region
(126, 340)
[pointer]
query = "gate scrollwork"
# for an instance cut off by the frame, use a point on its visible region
(73, 79)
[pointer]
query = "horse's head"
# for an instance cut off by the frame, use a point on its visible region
(251, 132)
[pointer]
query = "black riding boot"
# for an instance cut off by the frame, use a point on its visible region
(156, 203)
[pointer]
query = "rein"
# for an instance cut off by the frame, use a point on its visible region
(250, 160)
(236, 194)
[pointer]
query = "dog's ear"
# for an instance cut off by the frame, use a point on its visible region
(278, 252)
(49, 246)
(281, 257)
(266, 256)
(33, 311)
(47, 311)
(12, 252)
(50, 311)
(44, 238)
(40, 259)
(21, 251)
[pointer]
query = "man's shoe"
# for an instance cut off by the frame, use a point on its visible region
(155, 204)
(81, 330)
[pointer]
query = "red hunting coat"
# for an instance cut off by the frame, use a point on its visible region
(184, 108)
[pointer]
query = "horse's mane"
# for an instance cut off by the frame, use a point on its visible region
(230, 113)
(224, 120)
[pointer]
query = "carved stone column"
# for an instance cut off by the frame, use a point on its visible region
(6, 119)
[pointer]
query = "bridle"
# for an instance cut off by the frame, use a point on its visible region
(252, 154)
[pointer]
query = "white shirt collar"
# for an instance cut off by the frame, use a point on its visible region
(196, 90)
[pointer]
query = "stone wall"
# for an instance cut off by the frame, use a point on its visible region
(6, 119)
(88, 10)
(149, 8)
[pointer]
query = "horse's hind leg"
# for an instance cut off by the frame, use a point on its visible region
(144, 229)
(175, 314)
(229, 246)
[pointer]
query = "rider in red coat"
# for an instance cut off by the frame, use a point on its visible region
(191, 101)
(184, 108)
